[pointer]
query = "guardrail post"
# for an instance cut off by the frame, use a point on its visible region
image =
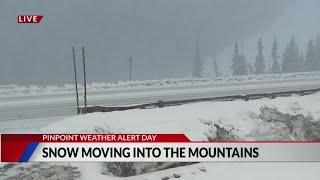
(130, 68)
(161, 103)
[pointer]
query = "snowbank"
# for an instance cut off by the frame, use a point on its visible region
(291, 118)
(287, 118)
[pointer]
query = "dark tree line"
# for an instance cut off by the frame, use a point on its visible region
(293, 59)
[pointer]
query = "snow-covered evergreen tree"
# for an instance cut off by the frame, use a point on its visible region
(239, 64)
(197, 67)
(291, 58)
(318, 50)
(260, 64)
(318, 42)
(302, 57)
(311, 63)
(244, 64)
(275, 68)
(250, 68)
(216, 68)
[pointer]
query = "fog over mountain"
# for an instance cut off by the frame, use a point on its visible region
(300, 20)
(159, 34)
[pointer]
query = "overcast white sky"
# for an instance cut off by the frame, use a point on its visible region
(159, 34)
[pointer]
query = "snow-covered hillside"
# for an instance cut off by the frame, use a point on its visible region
(287, 118)
(14, 90)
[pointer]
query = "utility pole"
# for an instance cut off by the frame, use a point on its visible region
(130, 68)
(84, 80)
(214, 66)
(75, 78)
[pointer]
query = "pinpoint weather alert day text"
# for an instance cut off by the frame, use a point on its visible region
(100, 137)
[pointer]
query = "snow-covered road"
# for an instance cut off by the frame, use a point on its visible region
(244, 120)
(26, 107)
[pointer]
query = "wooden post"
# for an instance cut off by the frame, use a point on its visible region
(75, 78)
(84, 80)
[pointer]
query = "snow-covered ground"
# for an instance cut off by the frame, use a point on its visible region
(287, 118)
(14, 90)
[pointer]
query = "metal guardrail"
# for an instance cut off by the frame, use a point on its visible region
(161, 103)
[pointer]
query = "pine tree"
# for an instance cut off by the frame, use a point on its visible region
(260, 64)
(215, 67)
(291, 58)
(243, 64)
(250, 68)
(311, 63)
(197, 63)
(302, 57)
(318, 42)
(238, 62)
(318, 50)
(275, 68)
